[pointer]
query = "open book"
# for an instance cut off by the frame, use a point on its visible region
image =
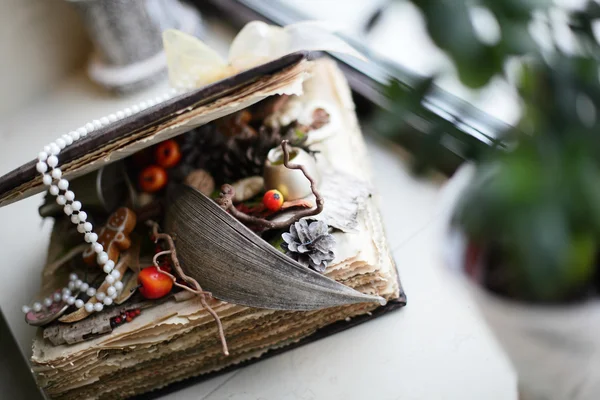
(139, 343)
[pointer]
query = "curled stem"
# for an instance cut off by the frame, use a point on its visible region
(225, 200)
(195, 286)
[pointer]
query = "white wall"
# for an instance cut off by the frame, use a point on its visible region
(41, 41)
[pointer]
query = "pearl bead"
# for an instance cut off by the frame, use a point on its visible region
(107, 301)
(74, 219)
(66, 290)
(42, 156)
(115, 274)
(80, 228)
(82, 216)
(41, 167)
(56, 173)
(76, 205)
(97, 124)
(100, 296)
(86, 237)
(25, 309)
(71, 285)
(65, 297)
(54, 190)
(110, 279)
(112, 118)
(93, 237)
(143, 105)
(70, 195)
(57, 296)
(47, 302)
(84, 287)
(91, 291)
(54, 149)
(114, 296)
(79, 303)
(120, 115)
(37, 307)
(78, 283)
(90, 127)
(68, 139)
(135, 109)
(111, 290)
(74, 135)
(61, 143)
(82, 131)
(47, 148)
(89, 307)
(73, 276)
(71, 300)
(52, 161)
(88, 226)
(63, 184)
(98, 307)
(102, 258)
(104, 121)
(108, 267)
(68, 209)
(97, 247)
(47, 179)
(130, 111)
(60, 200)
(119, 285)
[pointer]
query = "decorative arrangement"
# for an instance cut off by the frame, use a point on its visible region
(177, 268)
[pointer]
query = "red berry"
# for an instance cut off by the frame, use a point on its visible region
(273, 200)
(118, 320)
(168, 154)
(152, 179)
(154, 284)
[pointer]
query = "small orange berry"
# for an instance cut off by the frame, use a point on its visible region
(273, 200)
(168, 154)
(152, 179)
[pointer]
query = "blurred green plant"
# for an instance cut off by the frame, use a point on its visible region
(534, 208)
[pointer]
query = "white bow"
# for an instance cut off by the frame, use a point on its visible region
(193, 64)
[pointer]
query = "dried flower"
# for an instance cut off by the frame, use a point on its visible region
(309, 244)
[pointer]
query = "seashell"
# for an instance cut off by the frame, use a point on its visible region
(201, 180)
(247, 188)
(237, 266)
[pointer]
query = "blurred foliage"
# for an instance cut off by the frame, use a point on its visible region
(536, 205)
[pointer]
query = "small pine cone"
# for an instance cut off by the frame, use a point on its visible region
(309, 244)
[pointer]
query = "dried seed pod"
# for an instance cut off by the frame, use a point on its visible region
(247, 188)
(202, 181)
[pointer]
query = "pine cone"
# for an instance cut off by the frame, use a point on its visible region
(201, 148)
(245, 155)
(309, 244)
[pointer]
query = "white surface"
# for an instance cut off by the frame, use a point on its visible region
(435, 348)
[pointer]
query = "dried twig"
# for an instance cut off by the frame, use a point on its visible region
(195, 286)
(225, 200)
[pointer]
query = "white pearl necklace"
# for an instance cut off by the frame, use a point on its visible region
(47, 165)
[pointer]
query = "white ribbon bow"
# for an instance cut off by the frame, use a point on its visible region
(193, 64)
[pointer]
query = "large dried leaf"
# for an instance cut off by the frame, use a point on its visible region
(237, 266)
